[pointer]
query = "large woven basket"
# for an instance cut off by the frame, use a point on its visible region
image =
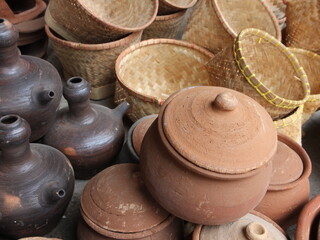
(215, 23)
(93, 62)
(311, 64)
(99, 21)
(291, 125)
(171, 6)
(261, 67)
(303, 21)
(150, 71)
(167, 26)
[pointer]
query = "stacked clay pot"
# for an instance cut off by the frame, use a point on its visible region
(116, 205)
(90, 135)
(207, 157)
(36, 182)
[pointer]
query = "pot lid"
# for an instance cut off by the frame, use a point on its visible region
(116, 200)
(287, 165)
(249, 227)
(219, 129)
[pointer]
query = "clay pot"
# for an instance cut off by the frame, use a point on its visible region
(289, 188)
(116, 205)
(90, 135)
(209, 142)
(36, 182)
(253, 226)
(30, 87)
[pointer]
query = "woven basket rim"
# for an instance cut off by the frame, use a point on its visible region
(150, 42)
(92, 47)
(263, 90)
(167, 2)
(170, 16)
(232, 32)
(102, 22)
(289, 120)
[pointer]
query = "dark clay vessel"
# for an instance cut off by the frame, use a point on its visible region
(36, 182)
(90, 135)
(29, 86)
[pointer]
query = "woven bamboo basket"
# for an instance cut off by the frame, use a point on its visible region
(150, 71)
(215, 23)
(291, 125)
(167, 26)
(261, 67)
(279, 10)
(311, 64)
(303, 21)
(93, 62)
(171, 6)
(99, 21)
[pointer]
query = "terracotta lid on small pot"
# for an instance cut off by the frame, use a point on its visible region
(116, 202)
(219, 129)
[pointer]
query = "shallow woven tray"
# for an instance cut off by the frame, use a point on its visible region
(261, 67)
(99, 21)
(215, 23)
(93, 62)
(171, 6)
(150, 71)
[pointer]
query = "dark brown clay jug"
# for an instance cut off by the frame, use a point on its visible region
(90, 135)
(36, 182)
(29, 86)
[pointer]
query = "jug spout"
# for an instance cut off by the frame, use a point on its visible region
(122, 109)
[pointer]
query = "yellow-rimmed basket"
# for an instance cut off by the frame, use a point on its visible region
(215, 23)
(99, 21)
(171, 6)
(291, 124)
(167, 26)
(150, 71)
(93, 62)
(263, 68)
(311, 64)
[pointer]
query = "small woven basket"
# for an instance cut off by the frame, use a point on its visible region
(99, 21)
(303, 21)
(311, 64)
(167, 26)
(261, 67)
(171, 6)
(93, 62)
(215, 23)
(150, 71)
(291, 125)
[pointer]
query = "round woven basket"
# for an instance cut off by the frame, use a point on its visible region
(261, 67)
(303, 21)
(291, 125)
(311, 64)
(93, 62)
(99, 21)
(171, 6)
(167, 26)
(215, 23)
(150, 71)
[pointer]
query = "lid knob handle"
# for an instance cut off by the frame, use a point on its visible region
(256, 231)
(226, 101)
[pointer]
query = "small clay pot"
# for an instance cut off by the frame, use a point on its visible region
(209, 142)
(289, 188)
(116, 205)
(30, 87)
(90, 135)
(253, 226)
(36, 182)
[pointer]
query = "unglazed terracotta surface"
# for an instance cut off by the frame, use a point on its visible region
(90, 135)
(30, 87)
(192, 126)
(36, 182)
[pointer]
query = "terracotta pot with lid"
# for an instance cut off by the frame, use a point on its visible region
(289, 188)
(30, 86)
(116, 205)
(90, 135)
(206, 159)
(36, 182)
